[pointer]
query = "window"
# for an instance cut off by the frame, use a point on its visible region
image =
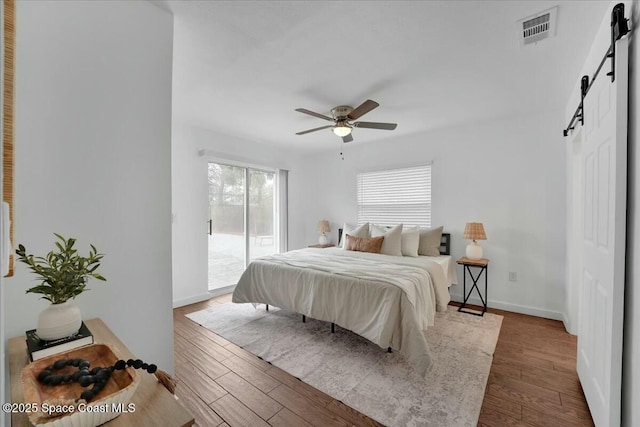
(395, 196)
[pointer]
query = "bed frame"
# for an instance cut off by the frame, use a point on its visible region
(445, 242)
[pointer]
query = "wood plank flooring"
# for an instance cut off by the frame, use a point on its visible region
(532, 381)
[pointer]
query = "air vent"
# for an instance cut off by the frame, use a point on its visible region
(537, 27)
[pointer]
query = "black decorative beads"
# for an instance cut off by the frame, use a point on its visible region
(86, 381)
(44, 374)
(97, 376)
(103, 374)
(86, 395)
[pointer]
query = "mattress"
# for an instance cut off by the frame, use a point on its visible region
(448, 267)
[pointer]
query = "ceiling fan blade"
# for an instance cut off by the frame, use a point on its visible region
(363, 109)
(376, 125)
(314, 114)
(313, 130)
(347, 138)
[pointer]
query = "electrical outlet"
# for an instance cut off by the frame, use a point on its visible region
(513, 276)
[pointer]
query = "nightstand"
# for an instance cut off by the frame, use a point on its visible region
(467, 264)
(318, 245)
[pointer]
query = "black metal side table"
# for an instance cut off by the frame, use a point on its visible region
(483, 265)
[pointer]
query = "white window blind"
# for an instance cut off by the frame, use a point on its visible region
(395, 196)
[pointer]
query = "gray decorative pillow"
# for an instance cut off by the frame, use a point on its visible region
(430, 241)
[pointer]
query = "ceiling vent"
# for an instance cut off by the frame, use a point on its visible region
(540, 26)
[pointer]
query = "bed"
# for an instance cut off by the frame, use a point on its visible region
(390, 300)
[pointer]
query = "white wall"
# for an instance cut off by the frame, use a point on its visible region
(190, 200)
(93, 135)
(508, 174)
(189, 216)
(631, 343)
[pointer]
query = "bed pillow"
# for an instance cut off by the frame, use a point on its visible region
(364, 244)
(410, 241)
(362, 231)
(430, 239)
(392, 244)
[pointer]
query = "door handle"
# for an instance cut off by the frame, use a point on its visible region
(210, 227)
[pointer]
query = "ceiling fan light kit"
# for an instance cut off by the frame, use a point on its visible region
(342, 129)
(343, 115)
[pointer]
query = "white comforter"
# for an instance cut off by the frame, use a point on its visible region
(387, 299)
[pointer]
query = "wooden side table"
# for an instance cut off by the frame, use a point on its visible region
(318, 245)
(155, 406)
(467, 264)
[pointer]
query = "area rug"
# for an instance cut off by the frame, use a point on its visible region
(364, 376)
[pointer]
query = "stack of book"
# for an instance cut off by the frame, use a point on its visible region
(38, 348)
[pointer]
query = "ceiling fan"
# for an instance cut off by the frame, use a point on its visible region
(343, 116)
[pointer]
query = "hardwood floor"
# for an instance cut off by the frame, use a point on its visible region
(532, 381)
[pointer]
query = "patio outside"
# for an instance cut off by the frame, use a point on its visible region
(226, 256)
(229, 187)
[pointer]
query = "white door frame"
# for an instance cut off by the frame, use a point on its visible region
(574, 230)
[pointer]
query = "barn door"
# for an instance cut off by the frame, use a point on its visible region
(604, 168)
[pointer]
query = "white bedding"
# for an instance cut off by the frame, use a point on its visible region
(448, 266)
(389, 300)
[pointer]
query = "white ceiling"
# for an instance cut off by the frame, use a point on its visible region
(242, 67)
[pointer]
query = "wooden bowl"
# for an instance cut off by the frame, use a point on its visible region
(110, 402)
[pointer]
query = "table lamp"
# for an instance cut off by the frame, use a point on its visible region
(323, 229)
(474, 231)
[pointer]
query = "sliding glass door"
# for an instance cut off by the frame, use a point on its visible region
(226, 224)
(242, 220)
(262, 221)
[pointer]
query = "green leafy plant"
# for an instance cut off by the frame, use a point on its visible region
(64, 273)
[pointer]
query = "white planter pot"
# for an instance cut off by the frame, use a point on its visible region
(59, 321)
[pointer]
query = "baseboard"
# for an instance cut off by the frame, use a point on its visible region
(191, 300)
(567, 324)
(523, 309)
(221, 291)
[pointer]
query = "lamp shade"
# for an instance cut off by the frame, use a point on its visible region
(474, 231)
(323, 226)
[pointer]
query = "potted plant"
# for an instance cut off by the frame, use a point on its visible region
(64, 274)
